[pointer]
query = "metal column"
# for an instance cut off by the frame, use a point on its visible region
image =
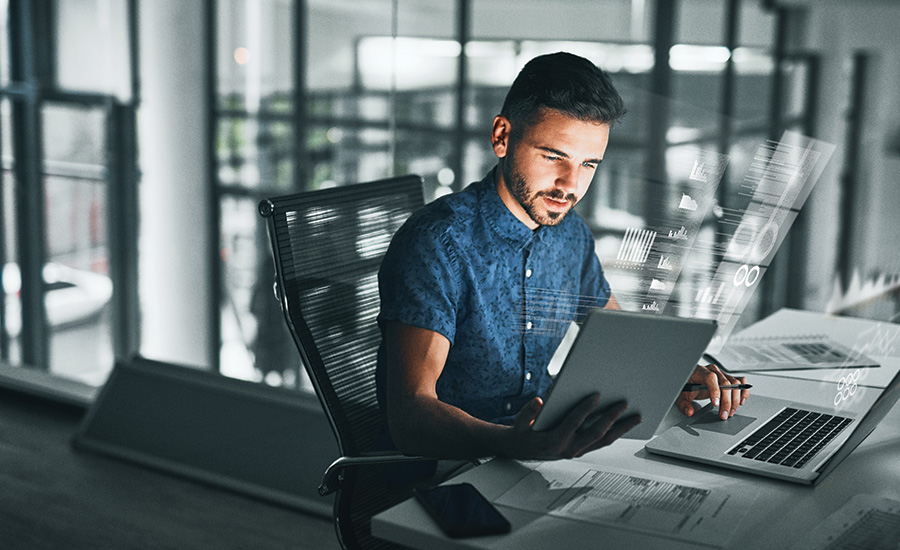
(124, 215)
(661, 91)
(774, 285)
(463, 35)
(849, 177)
(31, 63)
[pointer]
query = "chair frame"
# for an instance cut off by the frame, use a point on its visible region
(334, 476)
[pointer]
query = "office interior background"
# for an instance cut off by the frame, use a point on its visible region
(139, 136)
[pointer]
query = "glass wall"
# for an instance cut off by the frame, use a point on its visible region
(255, 145)
(59, 184)
(307, 94)
(92, 46)
(317, 93)
(76, 273)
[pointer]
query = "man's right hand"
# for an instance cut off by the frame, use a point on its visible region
(568, 439)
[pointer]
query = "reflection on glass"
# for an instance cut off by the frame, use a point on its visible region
(74, 137)
(379, 105)
(77, 287)
(426, 154)
(255, 153)
(10, 307)
(91, 46)
(256, 344)
(254, 55)
(4, 43)
(551, 21)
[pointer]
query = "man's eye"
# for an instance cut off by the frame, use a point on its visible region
(590, 165)
(551, 157)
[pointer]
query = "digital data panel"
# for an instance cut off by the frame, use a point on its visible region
(656, 253)
(776, 185)
(733, 259)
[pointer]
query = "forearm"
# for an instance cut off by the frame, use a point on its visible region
(424, 425)
(612, 303)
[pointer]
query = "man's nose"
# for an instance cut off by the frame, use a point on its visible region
(567, 180)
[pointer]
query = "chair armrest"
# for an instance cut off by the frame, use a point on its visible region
(331, 480)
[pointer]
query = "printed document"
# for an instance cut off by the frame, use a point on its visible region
(653, 505)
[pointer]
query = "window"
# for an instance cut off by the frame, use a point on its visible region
(373, 89)
(64, 143)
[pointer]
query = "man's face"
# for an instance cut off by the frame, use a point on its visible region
(550, 167)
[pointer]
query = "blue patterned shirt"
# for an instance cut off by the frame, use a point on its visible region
(503, 295)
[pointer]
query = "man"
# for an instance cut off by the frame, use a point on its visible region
(477, 288)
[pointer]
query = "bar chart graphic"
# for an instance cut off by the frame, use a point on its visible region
(705, 295)
(680, 234)
(636, 246)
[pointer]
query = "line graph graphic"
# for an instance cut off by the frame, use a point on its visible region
(861, 293)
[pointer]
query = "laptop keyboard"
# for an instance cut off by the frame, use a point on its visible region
(792, 438)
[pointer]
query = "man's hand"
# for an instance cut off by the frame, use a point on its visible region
(569, 439)
(727, 400)
(420, 423)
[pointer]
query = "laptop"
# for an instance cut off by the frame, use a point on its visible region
(776, 438)
(641, 358)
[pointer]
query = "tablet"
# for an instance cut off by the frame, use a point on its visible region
(641, 358)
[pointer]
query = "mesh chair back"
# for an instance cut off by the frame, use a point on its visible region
(328, 247)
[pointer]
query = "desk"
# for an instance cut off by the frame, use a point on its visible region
(783, 512)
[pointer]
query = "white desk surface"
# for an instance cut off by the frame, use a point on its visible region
(783, 512)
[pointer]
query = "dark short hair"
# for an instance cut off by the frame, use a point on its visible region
(564, 82)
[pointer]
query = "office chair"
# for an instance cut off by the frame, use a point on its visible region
(327, 247)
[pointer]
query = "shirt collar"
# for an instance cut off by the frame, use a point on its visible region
(498, 216)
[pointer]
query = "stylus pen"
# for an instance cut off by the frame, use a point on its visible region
(701, 387)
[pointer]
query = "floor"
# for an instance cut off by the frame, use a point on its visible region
(54, 497)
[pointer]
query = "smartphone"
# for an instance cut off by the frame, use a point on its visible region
(461, 511)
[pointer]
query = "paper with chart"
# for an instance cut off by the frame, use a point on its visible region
(654, 505)
(864, 522)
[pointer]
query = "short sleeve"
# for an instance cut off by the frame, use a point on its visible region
(418, 281)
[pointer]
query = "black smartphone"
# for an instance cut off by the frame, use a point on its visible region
(462, 511)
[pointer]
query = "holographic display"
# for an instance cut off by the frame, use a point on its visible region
(774, 189)
(861, 293)
(879, 340)
(635, 247)
(655, 253)
(551, 311)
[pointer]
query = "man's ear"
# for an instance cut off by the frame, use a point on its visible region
(500, 135)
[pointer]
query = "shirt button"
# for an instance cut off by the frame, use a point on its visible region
(527, 376)
(508, 406)
(527, 273)
(528, 325)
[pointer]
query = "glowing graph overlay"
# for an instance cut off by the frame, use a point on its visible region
(880, 340)
(654, 254)
(861, 293)
(551, 311)
(775, 187)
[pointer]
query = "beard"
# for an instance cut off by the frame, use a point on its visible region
(532, 201)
